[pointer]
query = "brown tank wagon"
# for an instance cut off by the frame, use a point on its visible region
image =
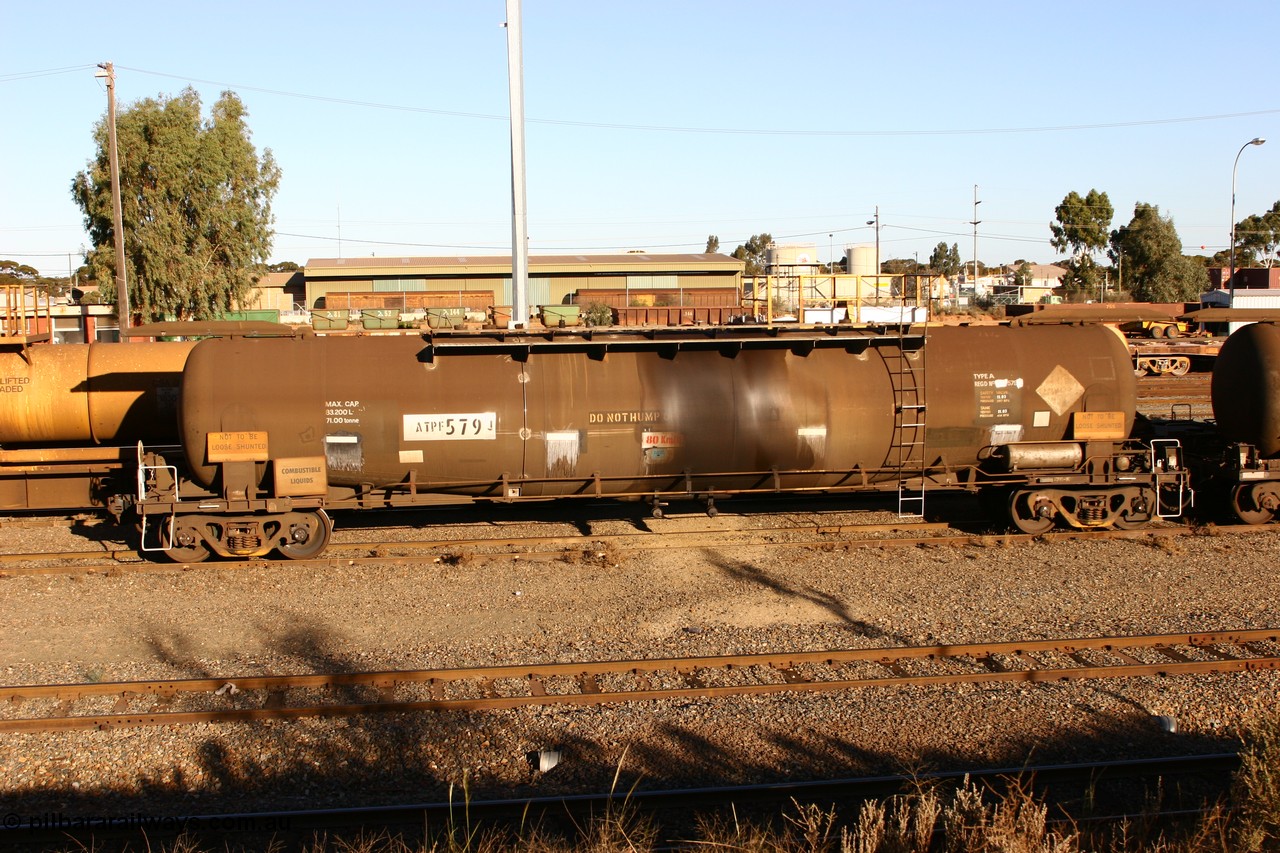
(281, 431)
(1246, 405)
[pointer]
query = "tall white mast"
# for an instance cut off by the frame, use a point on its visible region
(519, 204)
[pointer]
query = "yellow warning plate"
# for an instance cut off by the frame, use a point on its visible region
(1098, 425)
(237, 447)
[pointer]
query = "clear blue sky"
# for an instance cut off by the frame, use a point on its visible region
(654, 124)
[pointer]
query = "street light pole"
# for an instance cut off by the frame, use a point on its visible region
(1231, 270)
(107, 70)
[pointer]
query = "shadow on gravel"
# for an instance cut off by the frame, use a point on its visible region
(104, 531)
(302, 638)
(282, 765)
(384, 759)
(753, 574)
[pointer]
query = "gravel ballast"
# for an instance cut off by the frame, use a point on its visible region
(473, 609)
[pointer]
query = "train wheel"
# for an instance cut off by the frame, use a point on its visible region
(1180, 366)
(307, 534)
(188, 546)
(1244, 503)
(1028, 513)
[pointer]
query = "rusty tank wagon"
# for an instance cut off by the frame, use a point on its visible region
(1246, 405)
(72, 413)
(278, 432)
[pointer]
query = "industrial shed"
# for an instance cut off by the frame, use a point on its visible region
(480, 282)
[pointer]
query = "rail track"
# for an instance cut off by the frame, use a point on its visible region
(116, 561)
(1182, 397)
(93, 706)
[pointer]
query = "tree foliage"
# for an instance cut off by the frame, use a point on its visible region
(196, 206)
(1258, 238)
(755, 253)
(1082, 227)
(1083, 224)
(1150, 253)
(1025, 275)
(945, 260)
(713, 244)
(12, 272)
(28, 277)
(1083, 277)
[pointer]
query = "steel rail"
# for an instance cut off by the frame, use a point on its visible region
(594, 683)
(629, 541)
(554, 545)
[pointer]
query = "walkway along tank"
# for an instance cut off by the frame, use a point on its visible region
(281, 430)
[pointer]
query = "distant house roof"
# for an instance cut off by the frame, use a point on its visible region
(501, 264)
(1051, 271)
(280, 279)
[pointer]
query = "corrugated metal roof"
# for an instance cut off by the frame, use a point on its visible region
(541, 263)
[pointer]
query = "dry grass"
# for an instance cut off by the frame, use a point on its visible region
(1256, 792)
(966, 821)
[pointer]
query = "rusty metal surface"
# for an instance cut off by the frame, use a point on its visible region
(1235, 315)
(84, 393)
(1246, 387)
(212, 328)
(1120, 312)
(133, 390)
(44, 392)
(450, 412)
(588, 683)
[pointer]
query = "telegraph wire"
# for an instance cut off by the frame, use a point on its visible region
(729, 131)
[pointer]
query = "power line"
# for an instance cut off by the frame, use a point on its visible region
(49, 72)
(712, 130)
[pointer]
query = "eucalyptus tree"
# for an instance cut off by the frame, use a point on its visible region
(1258, 238)
(754, 253)
(1082, 227)
(196, 200)
(1151, 258)
(945, 260)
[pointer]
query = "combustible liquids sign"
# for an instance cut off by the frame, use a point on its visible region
(237, 447)
(482, 426)
(301, 475)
